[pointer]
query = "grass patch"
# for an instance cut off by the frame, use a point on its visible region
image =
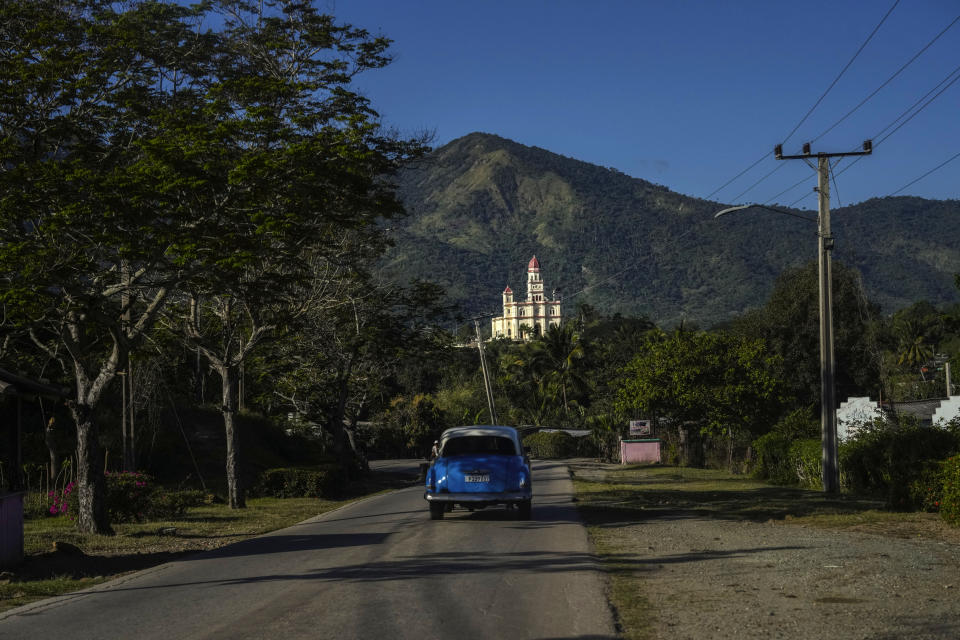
(47, 572)
(611, 498)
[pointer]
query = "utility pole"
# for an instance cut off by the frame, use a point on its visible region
(828, 401)
(486, 375)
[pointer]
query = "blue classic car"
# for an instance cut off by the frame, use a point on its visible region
(477, 467)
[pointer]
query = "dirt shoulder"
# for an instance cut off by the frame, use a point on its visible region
(700, 554)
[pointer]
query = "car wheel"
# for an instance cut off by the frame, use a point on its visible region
(524, 509)
(436, 510)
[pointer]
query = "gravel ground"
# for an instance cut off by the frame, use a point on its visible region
(709, 577)
(705, 578)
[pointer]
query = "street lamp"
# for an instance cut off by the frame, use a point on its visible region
(828, 410)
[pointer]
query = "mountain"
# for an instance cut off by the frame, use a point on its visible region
(480, 206)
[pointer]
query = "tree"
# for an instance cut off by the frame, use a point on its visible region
(560, 353)
(86, 256)
(346, 356)
(141, 156)
(789, 323)
(287, 161)
(719, 382)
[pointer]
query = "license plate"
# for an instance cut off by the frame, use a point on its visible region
(477, 477)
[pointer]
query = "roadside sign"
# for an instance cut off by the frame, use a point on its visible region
(640, 427)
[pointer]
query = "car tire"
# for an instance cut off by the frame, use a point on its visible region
(436, 510)
(524, 510)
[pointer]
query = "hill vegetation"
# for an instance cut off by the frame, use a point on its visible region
(481, 205)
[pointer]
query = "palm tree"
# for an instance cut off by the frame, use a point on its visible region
(560, 350)
(913, 350)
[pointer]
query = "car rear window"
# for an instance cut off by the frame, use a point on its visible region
(466, 445)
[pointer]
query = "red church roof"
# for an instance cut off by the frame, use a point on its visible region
(508, 290)
(534, 264)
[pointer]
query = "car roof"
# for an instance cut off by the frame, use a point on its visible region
(480, 430)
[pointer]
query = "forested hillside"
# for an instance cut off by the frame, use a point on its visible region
(481, 205)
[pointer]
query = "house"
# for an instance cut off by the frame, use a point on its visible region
(15, 388)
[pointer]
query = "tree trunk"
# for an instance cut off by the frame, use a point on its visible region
(91, 487)
(234, 486)
(340, 442)
(52, 451)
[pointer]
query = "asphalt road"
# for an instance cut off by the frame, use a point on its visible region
(378, 568)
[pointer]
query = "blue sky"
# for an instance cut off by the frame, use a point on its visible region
(686, 94)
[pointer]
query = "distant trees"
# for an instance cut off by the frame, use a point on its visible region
(789, 323)
(716, 381)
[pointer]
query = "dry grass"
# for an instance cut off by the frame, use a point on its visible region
(611, 498)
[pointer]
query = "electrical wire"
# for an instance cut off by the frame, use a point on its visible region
(833, 176)
(888, 80)
(956, 76)
(727, 183)
(844, 70)
(750, 188)
(910, 113)
(811, 110)
(912, 182)
(788, 189)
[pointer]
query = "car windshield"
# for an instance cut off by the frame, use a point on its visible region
(467, 445)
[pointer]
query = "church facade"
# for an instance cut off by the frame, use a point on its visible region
(523, 320)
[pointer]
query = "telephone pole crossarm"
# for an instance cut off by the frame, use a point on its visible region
(778, 152)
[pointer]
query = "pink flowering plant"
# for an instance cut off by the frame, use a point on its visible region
(60, 501)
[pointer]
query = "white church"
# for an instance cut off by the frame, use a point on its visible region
(530, 318)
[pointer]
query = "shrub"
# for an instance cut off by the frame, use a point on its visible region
(170, 504)
(772, 459)
(950, 486)
(553, 444)
(806, 456)
(323, 481)
(894, 461)
(130, 497)
(926, 489)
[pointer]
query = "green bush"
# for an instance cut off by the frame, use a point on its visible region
(165, 505)
(894, 461)
(950, 487)
(806, 456)
(772, 459)
(323, 481)
(131, 497)
(553, 444)
(926, 489)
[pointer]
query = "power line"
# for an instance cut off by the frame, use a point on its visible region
(811, 110)
(913, 115)
(788, 189)
(844, 70)
(913, 112)
(750, 188)
(917, 112)
(725, 184)
(942, 164)
(888, 80)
